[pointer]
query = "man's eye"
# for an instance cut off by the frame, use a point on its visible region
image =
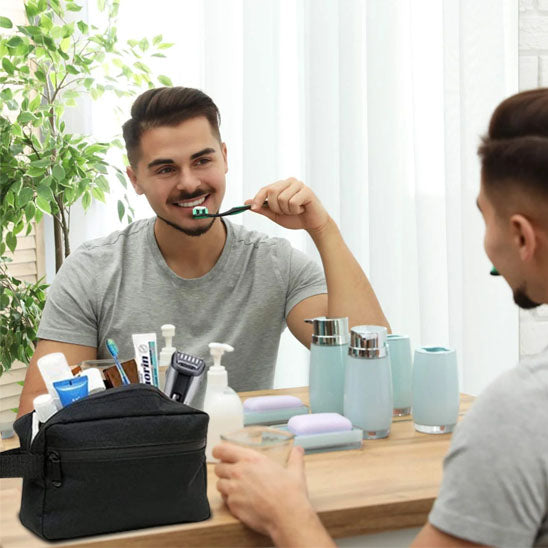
(203, 161)
(164, 170)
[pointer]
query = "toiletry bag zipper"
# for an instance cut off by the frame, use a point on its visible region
(56, 456)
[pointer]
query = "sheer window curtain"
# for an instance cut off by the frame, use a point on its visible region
(378, 106)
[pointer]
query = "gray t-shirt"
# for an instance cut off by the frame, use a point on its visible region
(495, 481)
(119, 285)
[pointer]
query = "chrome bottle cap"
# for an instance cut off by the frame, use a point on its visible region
(368, 341)
(329, 331)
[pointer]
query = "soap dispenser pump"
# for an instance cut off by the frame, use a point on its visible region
(168, 332)
(221, 403)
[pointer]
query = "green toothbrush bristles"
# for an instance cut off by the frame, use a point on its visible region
(200, 212)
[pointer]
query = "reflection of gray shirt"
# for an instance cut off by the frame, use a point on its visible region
(119, 285)
(495, 482)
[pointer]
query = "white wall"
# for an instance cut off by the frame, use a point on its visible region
(533, 73)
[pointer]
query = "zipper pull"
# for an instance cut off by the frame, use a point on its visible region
(54, 464)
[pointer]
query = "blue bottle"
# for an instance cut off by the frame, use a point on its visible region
(327, 364)
(368, 399)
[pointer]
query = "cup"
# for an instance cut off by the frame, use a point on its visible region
(399, 347)
(435, 390)
(275, 444)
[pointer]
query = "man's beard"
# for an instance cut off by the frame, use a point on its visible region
(189, 232)
(522, 300)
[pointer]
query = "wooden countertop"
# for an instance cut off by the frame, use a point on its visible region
(388, 484)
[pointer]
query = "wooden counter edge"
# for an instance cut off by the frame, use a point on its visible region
(339, 523)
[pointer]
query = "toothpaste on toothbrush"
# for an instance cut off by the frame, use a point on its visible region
(144, 345)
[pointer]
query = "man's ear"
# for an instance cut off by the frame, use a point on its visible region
(524, 237)
(133, 178)
(225, 156)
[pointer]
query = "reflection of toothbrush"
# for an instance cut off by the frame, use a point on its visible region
(202, 213)
(113, 349)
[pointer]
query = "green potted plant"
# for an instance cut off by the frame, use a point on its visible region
(46, 65)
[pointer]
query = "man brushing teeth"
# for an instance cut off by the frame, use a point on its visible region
(214, 280)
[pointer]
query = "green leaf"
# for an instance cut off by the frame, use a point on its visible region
(5, 23)
(45, 193)
(25, 196)
(40, 75)
(165, 80)
(83, 27)
(58, 173)
(30, 210)
(71, 6)
(121, 210)
(15, 41)
(65, 44)
(157, 39)
(71, 69)
(86, 200)
(11, 240)
(42, 205)
(8, 66)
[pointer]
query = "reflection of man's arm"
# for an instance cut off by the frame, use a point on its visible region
(293, 205)
(34, 385)
(348, 289)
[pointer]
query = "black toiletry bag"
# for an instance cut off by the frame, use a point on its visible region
(125, 458)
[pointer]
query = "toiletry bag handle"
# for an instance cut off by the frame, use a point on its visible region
(17, 463)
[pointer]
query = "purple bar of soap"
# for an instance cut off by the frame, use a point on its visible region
(318, 423)
(271, 403)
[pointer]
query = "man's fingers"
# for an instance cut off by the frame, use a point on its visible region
(224, 486)
(295, 462)
(289, 199)
(229, 452)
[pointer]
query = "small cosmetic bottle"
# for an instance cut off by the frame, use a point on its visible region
(368, 399)
(327, 364)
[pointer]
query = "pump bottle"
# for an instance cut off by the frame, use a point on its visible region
(221, 403)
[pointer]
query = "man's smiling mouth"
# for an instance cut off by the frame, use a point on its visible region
(192, 203)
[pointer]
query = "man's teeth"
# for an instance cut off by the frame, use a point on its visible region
(197, 202)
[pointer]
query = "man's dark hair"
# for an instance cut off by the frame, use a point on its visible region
(514, 153)
(166, 107)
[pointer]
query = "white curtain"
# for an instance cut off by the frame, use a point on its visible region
(377, 105)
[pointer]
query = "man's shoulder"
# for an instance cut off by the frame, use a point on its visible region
(134, 231)
(517, 398)
(107, 252)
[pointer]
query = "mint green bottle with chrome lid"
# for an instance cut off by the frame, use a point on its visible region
(327, 364)
(368, 398)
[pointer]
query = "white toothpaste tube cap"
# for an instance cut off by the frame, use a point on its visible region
(95, 380)
(44, 406)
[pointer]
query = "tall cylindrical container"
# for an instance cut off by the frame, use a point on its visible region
(399, 347)
(327, 364)
(368, 398)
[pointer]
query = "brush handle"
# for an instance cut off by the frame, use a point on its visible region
(231, 211)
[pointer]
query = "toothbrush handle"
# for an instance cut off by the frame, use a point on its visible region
(123, 375)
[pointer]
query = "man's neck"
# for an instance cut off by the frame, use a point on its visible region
(190, 256)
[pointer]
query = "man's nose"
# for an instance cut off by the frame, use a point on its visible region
(188, 181)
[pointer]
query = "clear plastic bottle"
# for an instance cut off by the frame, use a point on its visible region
(221, 403)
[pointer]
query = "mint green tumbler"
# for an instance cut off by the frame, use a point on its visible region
(435, 390)
(399, 347)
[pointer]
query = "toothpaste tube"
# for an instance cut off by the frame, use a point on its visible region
(154, 361)
(141, 345)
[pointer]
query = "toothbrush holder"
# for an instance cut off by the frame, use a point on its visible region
(435, 390)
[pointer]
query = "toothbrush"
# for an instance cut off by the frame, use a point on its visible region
(202, 212)
(113, 349)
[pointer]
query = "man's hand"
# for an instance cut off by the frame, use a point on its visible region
(292, 205)
(267, 497)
